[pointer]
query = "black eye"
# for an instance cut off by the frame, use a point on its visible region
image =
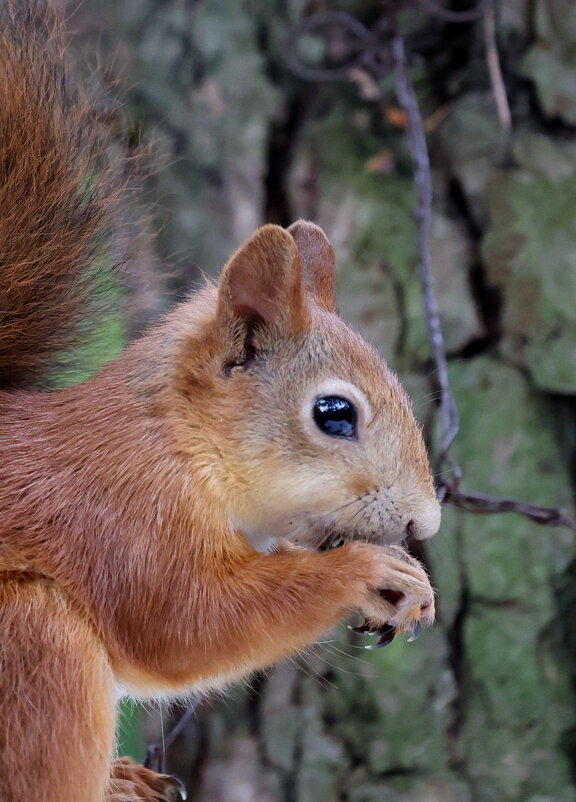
(335, 416)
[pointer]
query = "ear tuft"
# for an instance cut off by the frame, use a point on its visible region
(262, 281)
(317, 261)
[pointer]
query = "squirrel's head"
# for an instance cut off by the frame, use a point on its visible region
(306, 433)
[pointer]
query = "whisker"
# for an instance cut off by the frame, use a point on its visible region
(335, 649)
(390, 486)
(347, 504)
(443, 473)
(342, 670)
(302, 663)
(358, 512)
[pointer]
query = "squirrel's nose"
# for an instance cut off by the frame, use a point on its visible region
(426, 522)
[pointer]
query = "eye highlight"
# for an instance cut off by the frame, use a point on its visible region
(335, 416)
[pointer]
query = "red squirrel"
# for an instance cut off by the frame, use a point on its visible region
(167, 525)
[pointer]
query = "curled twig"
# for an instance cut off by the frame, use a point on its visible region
(359, 46)
(361, 50)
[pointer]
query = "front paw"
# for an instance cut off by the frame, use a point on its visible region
(397, 595)
(131, 782)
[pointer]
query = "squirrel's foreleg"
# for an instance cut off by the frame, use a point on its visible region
(58, 705)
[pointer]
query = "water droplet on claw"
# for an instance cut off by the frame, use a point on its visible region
(415, 632)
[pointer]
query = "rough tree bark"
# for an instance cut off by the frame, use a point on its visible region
(482, 707)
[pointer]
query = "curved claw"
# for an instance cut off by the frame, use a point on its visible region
(364, 629)
(387, 634)
(179, 788)
(176, 791)
(167, 788)
(415, 632)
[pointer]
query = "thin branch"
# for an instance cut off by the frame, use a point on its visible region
(484, 505)
(156, 754)
(494, 68)
(450, 420)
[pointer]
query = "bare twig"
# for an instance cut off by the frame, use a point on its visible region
(156, 754)
(494, 69)
(450, 419)
(483, 505)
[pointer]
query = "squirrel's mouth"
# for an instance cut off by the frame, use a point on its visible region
(322, 531)
(332, 538)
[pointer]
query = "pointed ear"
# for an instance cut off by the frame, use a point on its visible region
(262, 281)
(318, 263)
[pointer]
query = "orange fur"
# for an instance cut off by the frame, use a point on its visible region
(160, 523)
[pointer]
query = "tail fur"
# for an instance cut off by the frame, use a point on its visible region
(56, 198)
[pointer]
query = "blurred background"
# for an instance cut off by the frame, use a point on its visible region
(482, 707)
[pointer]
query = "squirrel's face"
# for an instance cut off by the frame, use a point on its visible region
(314, 439)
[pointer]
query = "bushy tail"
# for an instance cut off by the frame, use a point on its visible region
(56, 198)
